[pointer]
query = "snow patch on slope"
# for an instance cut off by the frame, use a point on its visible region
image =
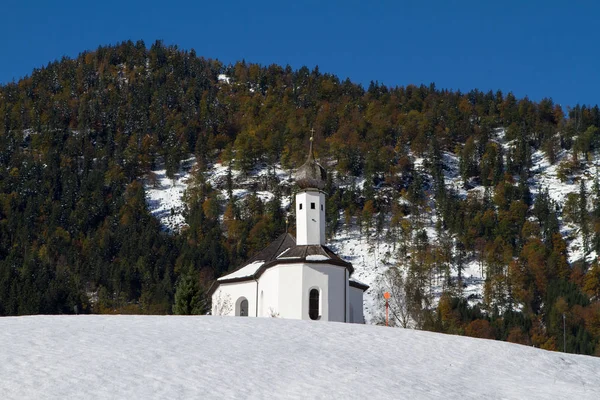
(165, 197)
(370, 259)
(545, 176)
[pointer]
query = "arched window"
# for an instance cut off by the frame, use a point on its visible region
(241, 308)
(313, 304)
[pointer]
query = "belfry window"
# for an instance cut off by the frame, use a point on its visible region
(321, 207)
(312, 206)
(301, 206)
(313, 304)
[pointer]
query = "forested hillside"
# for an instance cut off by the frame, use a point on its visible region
(79, 140)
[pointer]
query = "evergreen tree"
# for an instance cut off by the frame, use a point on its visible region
(190, 299)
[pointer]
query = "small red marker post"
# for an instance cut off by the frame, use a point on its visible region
(386, 296)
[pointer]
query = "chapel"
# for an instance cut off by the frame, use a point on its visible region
(296, 278)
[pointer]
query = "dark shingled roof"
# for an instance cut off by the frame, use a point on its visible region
(284, 250)
(269, 253)
(315, 253)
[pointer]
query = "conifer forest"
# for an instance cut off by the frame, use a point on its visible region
(79, 139)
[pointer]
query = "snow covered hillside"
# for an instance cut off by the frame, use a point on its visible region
(371, 256)
(144, 357)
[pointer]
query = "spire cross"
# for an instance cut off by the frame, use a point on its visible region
(312, 138)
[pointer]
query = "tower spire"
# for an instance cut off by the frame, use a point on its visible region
(311, 174)
(311, 153)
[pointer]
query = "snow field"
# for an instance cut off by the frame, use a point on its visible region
(169, 357)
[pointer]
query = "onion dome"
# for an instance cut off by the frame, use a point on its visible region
(311, 174)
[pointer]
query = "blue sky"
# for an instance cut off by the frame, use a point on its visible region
(534, 48)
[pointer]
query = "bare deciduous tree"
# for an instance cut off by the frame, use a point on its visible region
(222, 305)
(393, 281)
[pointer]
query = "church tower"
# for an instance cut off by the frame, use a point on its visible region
(310, 201)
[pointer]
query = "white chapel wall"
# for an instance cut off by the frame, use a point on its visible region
(283, 291)
(268, 293)
(331, 282)
(290, 291)
(227, 296)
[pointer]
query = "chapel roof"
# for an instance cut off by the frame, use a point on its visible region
(283, 250)
(358, 284)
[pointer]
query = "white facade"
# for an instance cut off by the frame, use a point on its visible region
(227, 299)
(332, 283)
(310, 217)
(284, 291)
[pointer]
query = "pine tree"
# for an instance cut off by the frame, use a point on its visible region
(189, 298)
